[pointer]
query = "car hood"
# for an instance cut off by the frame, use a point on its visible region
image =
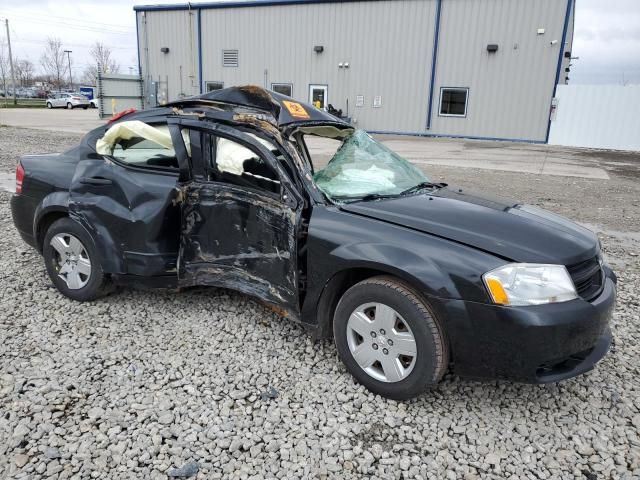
(520, 233)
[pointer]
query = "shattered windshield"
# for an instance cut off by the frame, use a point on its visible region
(363, 167)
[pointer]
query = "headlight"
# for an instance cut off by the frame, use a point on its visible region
(529, 284)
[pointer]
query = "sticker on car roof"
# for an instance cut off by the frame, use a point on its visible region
(296, 110)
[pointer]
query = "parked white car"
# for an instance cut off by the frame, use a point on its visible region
(67, 100)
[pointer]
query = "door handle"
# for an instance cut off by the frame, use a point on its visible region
(95, 181)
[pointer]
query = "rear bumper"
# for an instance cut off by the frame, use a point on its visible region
(22, 211)
(535, 344)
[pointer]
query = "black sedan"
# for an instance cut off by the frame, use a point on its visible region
(410, 277)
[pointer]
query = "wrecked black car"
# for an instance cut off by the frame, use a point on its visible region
(410, 277)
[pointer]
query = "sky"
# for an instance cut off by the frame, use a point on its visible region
(607, 36)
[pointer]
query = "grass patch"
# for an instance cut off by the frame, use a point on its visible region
(23, 103)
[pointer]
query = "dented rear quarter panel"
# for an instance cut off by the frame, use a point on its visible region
(134, 221)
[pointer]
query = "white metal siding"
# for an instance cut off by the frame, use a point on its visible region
(370, 36)
(389, 46)
(177, 69)
(597, 116)
(510, 91)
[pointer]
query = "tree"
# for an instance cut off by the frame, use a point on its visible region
(24, 71)
(5, 68)
(102, 60)
(54, 62)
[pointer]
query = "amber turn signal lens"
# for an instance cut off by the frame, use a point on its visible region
(498, 294)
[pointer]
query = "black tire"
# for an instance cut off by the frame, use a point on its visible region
(97, 285)
(431, 360)
(69, 106)
(84, 108)
(49, 105)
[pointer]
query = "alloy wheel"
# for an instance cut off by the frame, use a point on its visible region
(73, 263)
(381, 342)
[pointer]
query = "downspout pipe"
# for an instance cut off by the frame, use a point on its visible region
(434, 61)
(560, 57)
(200, 51)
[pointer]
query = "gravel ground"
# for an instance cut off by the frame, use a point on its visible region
(146, 384)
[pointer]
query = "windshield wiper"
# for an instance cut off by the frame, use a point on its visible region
(422, 186)
(378, 196)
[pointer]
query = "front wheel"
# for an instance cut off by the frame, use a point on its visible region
(69, 106)
(389, 339)
(49, 105)
(72, 262)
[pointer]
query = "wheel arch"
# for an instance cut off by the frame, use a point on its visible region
(43, 224)
(53, 207)
(341, 281)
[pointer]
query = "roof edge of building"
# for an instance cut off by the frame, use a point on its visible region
(233, 4)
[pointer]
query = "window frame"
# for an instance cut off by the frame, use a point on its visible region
(466, 103)
(283, 84)
(211, 163)
(206, 83)
(139, 168)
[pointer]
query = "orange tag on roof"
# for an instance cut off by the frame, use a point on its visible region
(296, 110)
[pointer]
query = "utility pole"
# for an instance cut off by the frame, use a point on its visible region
(68, 52)
(13, 75)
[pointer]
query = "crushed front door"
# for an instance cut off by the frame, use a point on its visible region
(236, 234)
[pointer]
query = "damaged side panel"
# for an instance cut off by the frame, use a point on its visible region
(131, 214)
(239, 239)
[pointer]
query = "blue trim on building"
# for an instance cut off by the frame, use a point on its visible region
(200, 50)
(444, 135)
(434, 59)
(235, 4)
(560, 58)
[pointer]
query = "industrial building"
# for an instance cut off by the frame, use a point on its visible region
(461, 68)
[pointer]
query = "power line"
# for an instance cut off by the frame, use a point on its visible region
(76, 45)
(74, 26)
(67, 19)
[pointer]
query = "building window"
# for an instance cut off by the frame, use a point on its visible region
(229, 58)
(453, 102)
(283, 88)
(211, 86)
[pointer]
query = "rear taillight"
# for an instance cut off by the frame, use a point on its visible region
(19, 177)
(118, 116)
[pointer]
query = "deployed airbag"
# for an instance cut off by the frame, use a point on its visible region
(135, 129)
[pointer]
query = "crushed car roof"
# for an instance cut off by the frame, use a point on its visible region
(285, 110)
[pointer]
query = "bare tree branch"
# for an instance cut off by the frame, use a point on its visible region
(53, 61)
(102, 60)
(24, 71)
(5, 72)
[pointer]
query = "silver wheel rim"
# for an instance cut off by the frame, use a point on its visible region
(381, 342)
(71, 260)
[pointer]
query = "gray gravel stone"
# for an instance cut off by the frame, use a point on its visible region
(187, 470)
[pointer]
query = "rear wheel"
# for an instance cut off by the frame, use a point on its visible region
(389, 339)
(72, 262)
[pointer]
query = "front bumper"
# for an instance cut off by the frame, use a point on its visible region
(534, 344)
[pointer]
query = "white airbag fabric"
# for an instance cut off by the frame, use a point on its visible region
(133, 129)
